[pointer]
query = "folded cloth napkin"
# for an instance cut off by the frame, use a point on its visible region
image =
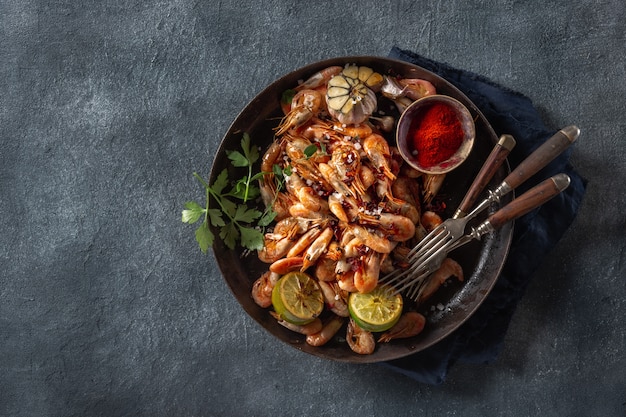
(480, 338)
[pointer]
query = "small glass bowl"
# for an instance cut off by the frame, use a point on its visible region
(416, 110)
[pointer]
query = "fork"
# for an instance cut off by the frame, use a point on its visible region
(415, 278)
(423, 257)
(452, 229)
(429, 245)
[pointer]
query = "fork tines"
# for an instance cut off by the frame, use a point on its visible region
(422, 262)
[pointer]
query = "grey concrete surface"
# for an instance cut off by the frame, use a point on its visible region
(107, 308)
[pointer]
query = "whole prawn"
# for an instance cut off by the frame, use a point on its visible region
(307, 329)
(377, 150)
(448, 268)
(395, 227)
(359, 340)
(335, 298)
(266, 183)
(305, 194)
(262, 289)
(410, 324)
(317, 248)
(329, 330)
(366, 275)
(345, 160)
(320, 78)
(275, 246)
(305, 105)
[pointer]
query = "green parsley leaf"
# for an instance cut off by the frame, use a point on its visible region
(253, 192)
(215, 215)
(237, 159)
(267, 218)
(221, 181)
(229, 208)
(251, 238)
(310, 150)
(204, 237)
(239, 189)
(244, 214)
(193, 212)
(229, 235)
(251, 152)
(287, 96)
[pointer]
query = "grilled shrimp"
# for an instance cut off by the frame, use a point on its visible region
(359, 340)
(366, 276)
(367, 176)
(410, 324)
(266, 183)
(406, 90)
(275, 246)
(335, 298)
(329, 330)
(398, 206)
(406, 189)
(430, 220)
(361, 130)
(291, 226)
(377, 150)
(416, 88)
(262, 289)
(304, 242)
(345, 280)
(372, 240)
(304, 105)
(318, 130)
(326, 266)
(335, 180)
(298, 209)
(395, 227)
(432, 185)
(307, 329)
(346, 162)
(286, 265)
(448, 268)
(305, 194)
(317, 247)
(320, 78)
(335, 205)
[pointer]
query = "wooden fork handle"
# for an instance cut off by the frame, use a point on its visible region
(530, 200)
(492, 163)
(542, 156)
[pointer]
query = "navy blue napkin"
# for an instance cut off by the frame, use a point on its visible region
(480, 338)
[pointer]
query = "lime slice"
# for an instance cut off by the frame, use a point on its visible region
(297, 298)
(377, 310)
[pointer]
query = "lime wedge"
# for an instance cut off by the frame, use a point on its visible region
(377, 310)
(297, 298)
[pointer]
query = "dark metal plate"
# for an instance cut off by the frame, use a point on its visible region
(481, 261)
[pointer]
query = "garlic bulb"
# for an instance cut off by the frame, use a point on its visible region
(350, 96)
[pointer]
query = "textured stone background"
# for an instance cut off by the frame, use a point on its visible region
(107, 107)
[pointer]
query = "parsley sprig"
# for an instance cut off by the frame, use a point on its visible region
(236, 221)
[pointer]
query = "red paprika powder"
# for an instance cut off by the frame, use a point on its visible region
(436, 135)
